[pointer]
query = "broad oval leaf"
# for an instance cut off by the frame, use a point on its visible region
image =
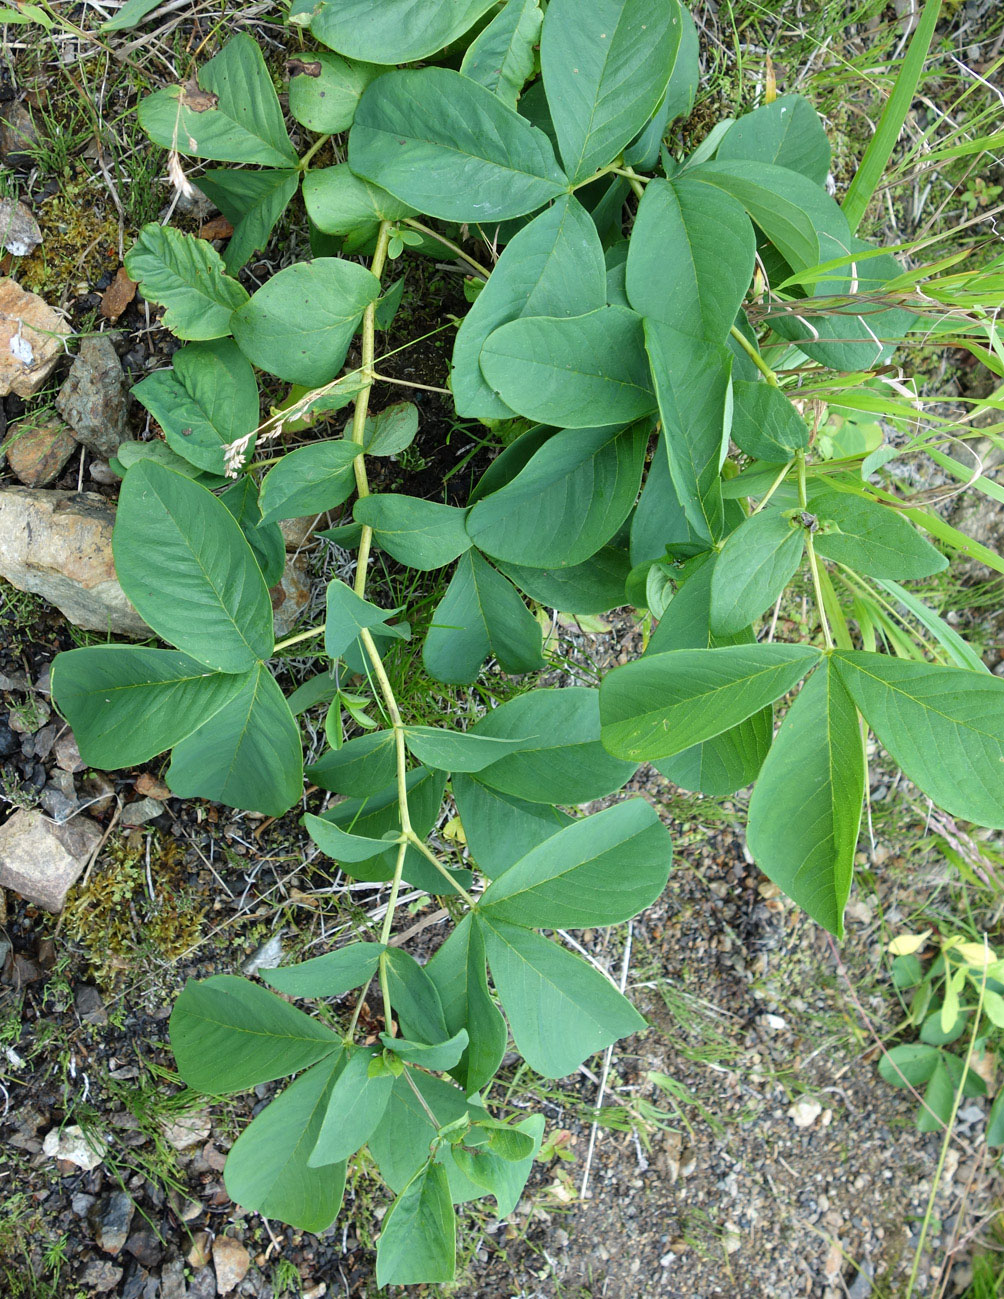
(606, 66)
(361, 767)
(765, 424)
(126, 703)
(187, 276)
(726, 762)
(267, 1170)
(567, 502)
(329, 975)
(229, 1035)
(663, 704)
(309, 481)
(184, 563)
(753, 568)
(421, 534)
(233, 115)
(419, 1237)
(324, 90)
(394, 31)
(552, 267)
(458, 971)
(579, 372)
(248, 755)
(341, 846)
(300, 322)
(500, 828)
(463, 751)
(265, 539)
(871, 538)
(252, 201)
(787, 132)
(600, 870)
(449, 147)
(594, 586)
(501, 57)
(341, 203)
(502, 1177)
(347, 614)
(806, 807)
(355, 1106)
(943, 726)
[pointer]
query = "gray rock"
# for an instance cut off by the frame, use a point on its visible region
(202, 1284)
(18, 136)
(114, 1221)
(89, 1006)
(138, 813)
(44, 740)
(81, 1204)
(100, 1276)
(40, 860)
(94, 400)
(55, 804)
(19, 232)
(290, 596)
(172, 1280)
(67, 754)
(72, 1147)
(145, 1248)
(231, 1261)
(187, 1130)
(59, 546)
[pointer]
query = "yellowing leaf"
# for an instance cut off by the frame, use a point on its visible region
(907, 944)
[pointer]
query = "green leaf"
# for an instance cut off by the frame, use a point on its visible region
(693, 384)
(457, 750)
(594, 586)
(267, 1171)
(355, 1106)
(347, 615)
(420, 534)
(415, 997)
(309, 481)
(361, 767)
(871, 538)
(419, 1237)
(568, 764)
(787, 132)
(395, 31)
(449, 147)
(458, 972)
(598, 871)
(501, 56)
(184, 563)
(186, 275)
(994, 1136)
(939, 1098)
(324, 90)
(243, 125)
(208, 400)
(340, 203)
(691, 258)
(559, 1008)
(753, 568)
(552, 267)
(252, 201)
(661, 705)
(501, 1177)
(130, 453)
(765, 424)
(606, 67)
(131, 14)
(726, 762)
(342, 847)
(248, 755)
(499, 828)
(659, 519)
(229, 1035)
(330, 975)
(678, 100)
(943, 726)
(806, 807)
(265, 539)
(581, 372)
(391, 430)
(126, 704)
(435, 1056)
(300, 322)
(909, 1065)
(568, 501)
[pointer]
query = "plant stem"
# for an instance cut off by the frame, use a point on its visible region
(773, 487)
(294, 640)
(447, 243)
(755, 356)
(408, 383)
(636, 182)
(426, 851)
(810, 550)
(304, 162)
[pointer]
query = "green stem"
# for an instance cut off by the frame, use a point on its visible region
(755, 356)
(426, 851)
(810, 550)
(295, 640)
(447, 243)
(304, 162)
(388, 922)
(773, 487)
(636, 182)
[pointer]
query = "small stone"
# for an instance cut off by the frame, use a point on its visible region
(172, 1280)
(9, 742)
(290, 597)
(859, 910)
(42, 861)
(100, 1276)
(66, 752)
(56, 805)
(732, 1238)
(804, 1113)
(102, 473)
(82, 1204)
(202, 1284)
(143, 810)
(187, 1130)
(19, 232)
(231, 1261)
(89, 1006)
(71, 1146)
(267, 957)
(94, 400)
(114, 1221)
(834, 1261)
(30, 334)
(296, 532)
(18, 137)
(145, 1248)
(38, 453)
(31, 719)
(98, 791)
(150, 787)
(201, 1249)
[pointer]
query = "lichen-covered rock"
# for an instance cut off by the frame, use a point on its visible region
(38, 453)
(94, 400)
(30, 340)
(42, 860)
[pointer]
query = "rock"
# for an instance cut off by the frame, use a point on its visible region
(296, 532)
(201, 1249)
(172, 1280)
(101, 472)
(150, 787)
(81, 1204)
(38, 454)
(267, 957)
(30, 333)
(42, 861)
(145, 1248)
(17, 137)
(290, 597)
(9, 742)
(98, 791)
(44, 739)
(59, 545)
(89, 1006)
(114, 1221)
(804, 1113)
(231, 1261)
(67, 754)
(72, 1147)
(187, 1130)
(94, 400)
(100, 1276)
(202, 1284)
(31, 719)
(55, 804)
(19, 232)
(732, 1240)
(834, 1261)
(138, 813)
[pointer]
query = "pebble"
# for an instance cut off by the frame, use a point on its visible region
(67, 754)
(141, 811)
(231, 1261)
(202, 1284)
(71, 1146)
(42, 860)
(100, 1276)
(187, 1130)
(94, 400)
(804, 1113)
(172, 1280)
(9, 742)
(31, 340)
(145, 1248)
(114, 1221)
(89, 1006)
(38, 453)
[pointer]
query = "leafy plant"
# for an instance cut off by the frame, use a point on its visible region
(687, 355)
